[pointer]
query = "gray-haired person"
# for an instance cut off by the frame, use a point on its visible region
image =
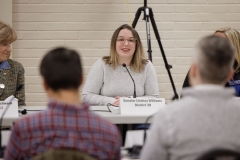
(207, 116)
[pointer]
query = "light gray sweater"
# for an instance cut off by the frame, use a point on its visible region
(103, 83)
(206, 118)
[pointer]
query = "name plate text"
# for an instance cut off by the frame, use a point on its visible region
(140, 106)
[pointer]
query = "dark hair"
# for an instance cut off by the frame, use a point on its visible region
(62, 69)
(215, 58)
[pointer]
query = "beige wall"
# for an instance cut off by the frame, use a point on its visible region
(6, 11)
(87, 26)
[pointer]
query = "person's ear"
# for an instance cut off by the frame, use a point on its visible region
(45, 86)
(81, 80)
(193, 70)
(193, 73)
(230, 75)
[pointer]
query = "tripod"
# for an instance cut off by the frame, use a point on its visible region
(148, 14)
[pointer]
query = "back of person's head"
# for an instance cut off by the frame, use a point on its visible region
(7, 34)
(61, 69)
(214, 57)
(234, 37)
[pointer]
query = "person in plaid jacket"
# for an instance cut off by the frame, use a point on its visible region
(67, 123)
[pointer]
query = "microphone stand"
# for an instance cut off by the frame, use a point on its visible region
(148, 14)
(134, 92)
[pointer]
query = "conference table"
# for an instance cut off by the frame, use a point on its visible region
(102, 111)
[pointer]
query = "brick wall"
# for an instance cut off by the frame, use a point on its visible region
(87, 26)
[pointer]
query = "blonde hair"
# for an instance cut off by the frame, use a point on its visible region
(7, 34)
(138, 61)
(234, 37)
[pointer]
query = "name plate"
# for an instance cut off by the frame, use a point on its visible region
(140, 106)
(12, 111)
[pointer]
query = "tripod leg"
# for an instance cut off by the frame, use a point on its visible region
(137, 15)
(154, 24)
(146, 13)
(167, 66)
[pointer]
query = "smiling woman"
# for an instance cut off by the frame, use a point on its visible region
(108, 80)
(11, 72)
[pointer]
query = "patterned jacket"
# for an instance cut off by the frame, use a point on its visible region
(64, 125)
(13, 80)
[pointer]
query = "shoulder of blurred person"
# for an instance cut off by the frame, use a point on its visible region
(195, 124)
(192, 125)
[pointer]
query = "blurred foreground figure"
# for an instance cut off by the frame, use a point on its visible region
(67, 123)
(207, 116)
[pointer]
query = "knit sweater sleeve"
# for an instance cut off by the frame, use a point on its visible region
(93, 85)
(151, 83)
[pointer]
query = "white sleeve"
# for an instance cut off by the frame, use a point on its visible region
(151, 83)
(93, 84)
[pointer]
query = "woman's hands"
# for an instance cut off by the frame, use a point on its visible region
(117, 100)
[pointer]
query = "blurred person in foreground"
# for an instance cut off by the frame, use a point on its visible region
(67, 123)
(207, 116)
(11, 72)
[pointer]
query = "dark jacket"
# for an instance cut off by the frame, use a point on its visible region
(13, 79)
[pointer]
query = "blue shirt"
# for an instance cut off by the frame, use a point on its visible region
(4, 65)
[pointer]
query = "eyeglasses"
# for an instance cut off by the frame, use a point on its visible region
(122, 40)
